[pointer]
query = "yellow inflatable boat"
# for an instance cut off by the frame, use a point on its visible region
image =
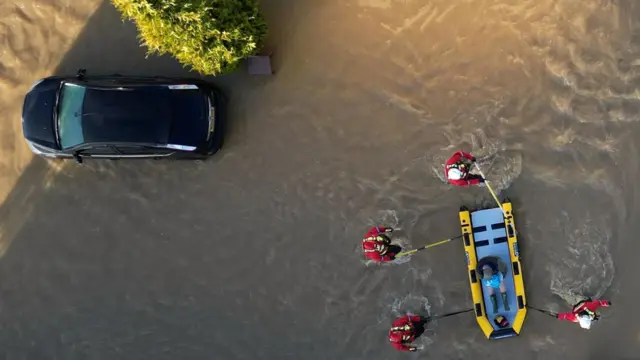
(490, 238)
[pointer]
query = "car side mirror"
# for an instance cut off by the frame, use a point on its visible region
(81, 73)
(77, 157)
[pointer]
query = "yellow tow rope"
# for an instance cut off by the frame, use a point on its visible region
(411, 252)
(491, 190)
(494, 195)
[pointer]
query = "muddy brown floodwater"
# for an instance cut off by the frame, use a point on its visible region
(254, 254)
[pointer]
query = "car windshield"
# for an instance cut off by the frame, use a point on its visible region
(70, 115)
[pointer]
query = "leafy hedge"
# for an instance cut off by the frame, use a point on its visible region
(210, 36)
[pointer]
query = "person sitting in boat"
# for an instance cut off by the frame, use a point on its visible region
(377, 246)
(493, 279)
(584, 312)
(457, 168)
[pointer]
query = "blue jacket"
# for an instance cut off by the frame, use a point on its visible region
(495, 281)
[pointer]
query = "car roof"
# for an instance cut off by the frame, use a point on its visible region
(140, 114)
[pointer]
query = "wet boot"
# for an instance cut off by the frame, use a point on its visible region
(505, 301)
(494, 301)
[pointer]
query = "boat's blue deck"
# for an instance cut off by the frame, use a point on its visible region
(491, 240)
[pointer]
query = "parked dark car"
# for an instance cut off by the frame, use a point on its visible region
(122, 117)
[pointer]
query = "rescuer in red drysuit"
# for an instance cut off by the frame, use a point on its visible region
(457, 168)
(377, 245)
(584, 312)
(406, 329)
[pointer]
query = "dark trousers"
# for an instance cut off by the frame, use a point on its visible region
(419, 327)
(394, 249)
(473, 177)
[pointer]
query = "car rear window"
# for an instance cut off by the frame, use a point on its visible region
(70, 115)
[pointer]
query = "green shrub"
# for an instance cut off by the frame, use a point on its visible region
(210, 36)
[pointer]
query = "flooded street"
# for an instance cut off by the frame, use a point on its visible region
(255, 254)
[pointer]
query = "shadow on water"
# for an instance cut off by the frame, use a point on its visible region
(109, 45)
(82, 280)
(19, 204)
(106, 45)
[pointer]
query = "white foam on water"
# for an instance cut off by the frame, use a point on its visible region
(585, 267)
(369, 217)
(425, 339)
(411, 304)
(401, 260)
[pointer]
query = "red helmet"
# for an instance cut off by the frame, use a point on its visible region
(395, 337)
